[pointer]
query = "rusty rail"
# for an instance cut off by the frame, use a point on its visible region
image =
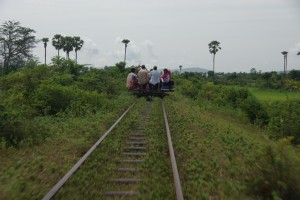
(177, 184)
(176, 178)
(61, 182)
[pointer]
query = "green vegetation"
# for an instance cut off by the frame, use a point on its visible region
(222, 157)
(93, 178)
(236, 136)
(50, 116)
(228, 158)
(273, 95)
(17, 43)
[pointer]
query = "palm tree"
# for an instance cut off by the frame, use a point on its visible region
(180, 68)
(68, 44)
(125, 41)
(57, 42)
(284, 53)
(213, 49)
(78, 43)
(45, 40)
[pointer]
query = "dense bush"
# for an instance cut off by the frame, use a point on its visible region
(281, 118)
(237, 98)
(233, 96)
(189, 89)
(211, 92)
(255, 110)
(51, 99)
(16, 126)
(9, 126)
(39, 91)
(275, 172)
(292, 85)
(285, 119)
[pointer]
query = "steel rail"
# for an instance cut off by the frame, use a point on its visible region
(176, 178)
(60, 183)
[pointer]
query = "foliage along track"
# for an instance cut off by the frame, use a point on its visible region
(132, 162)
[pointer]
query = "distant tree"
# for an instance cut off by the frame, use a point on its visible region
(267, 75)
(213, 49)
(125, 41)
(57, 42)
(78, 43)
(45, 40)
(294, 74)
(121, 66)
(233, 75)
(57, 61)
(68, 45)
(180, 68)
(284, 53)
(253, 73)
(210, 74)
(16, 45)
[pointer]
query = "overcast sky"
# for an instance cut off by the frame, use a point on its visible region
(168, 33)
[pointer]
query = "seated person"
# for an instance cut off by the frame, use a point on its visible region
(154, 79)
(165, 78)
(132, 82)
(143, 77)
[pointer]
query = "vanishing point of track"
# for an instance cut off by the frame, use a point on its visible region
(135, 152)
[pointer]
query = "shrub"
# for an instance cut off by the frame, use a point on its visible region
(237, 98)
(233, 96)
(51, 99)
(210, 92)
(86, 103)
(14, 127)
(255, 110)
(9, 126)
(61, 79)
(285, 119)
(275, 171)
(189, 89)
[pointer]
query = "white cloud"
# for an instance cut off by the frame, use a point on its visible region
(295, 48)
(148, 45)
(118, 40)
(89, 47)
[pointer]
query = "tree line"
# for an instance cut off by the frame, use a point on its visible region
(17, 43)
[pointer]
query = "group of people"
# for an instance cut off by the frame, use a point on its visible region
(151, 79)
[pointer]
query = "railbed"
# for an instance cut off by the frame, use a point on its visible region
(160, 92)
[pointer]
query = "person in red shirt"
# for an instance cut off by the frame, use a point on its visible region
(165, 77)
(169, 72)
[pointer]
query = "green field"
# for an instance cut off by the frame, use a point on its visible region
(273, 95)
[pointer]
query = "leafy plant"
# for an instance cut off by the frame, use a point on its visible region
(189, 89)
(276, 171)
(285, 119)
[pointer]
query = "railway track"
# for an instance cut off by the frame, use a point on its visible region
(129, 173)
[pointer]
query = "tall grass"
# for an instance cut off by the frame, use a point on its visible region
(221, 157)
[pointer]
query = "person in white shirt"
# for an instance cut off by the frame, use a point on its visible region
(154, 78)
